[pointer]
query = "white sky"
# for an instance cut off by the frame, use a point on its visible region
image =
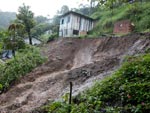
(39, 7)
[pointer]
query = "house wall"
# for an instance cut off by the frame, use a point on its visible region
(74, 25)
(65, 26)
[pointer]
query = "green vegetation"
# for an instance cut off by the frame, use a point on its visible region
(1, 41)
(25, 60)
(41, 25)
(127, 90)
(13, 41)
(10, 40)
(26, 17)
(138, 13)
(40, 29)
(26, 57)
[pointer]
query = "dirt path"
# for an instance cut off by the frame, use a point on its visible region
(69, 60)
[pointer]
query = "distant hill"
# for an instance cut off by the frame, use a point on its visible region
(6, 18)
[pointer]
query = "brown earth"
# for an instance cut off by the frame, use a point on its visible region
(82, 61)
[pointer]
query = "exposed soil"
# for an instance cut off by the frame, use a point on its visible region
(82, 61)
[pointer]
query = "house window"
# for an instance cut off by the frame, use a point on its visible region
(62, 21)
(75, 32)
(68, 19)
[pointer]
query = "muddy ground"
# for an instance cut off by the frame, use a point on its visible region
(82, 61)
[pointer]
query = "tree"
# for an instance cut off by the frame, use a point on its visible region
(26, 17)
(20, 28)
(41, 19)
(84, 9)
(92, 3)
(64, 9)
(14, 29)
(89, 8)
(12, 42)
(41, 29)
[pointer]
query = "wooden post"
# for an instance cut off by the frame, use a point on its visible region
(70, 96)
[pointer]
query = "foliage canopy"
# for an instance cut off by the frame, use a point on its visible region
(26, 17)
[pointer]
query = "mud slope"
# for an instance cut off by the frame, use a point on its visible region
(81, 61)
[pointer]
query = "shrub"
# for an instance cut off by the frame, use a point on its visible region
(1, 86)
(52, 37)
(1, 46)
(23, 63)
(57, 107)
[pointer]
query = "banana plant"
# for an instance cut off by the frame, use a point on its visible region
(11, 43)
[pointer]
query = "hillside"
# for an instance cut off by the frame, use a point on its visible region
(137, 13)
(68, 59)
(127, 90)
(6, 18)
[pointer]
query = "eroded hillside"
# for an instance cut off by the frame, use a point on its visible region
(81, 61)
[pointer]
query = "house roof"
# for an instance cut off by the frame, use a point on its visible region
(78, 14)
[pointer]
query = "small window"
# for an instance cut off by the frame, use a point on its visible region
(62, 21)
(76, 32)
(68, 19)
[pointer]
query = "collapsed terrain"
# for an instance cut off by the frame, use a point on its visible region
(81, 61)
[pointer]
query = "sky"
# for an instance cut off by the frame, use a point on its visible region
(40, 7)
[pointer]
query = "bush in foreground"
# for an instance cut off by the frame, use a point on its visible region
(25, 60)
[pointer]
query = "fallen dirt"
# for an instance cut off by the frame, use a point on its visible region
(81, 61)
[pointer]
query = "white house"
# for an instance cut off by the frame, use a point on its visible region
(73, 24)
